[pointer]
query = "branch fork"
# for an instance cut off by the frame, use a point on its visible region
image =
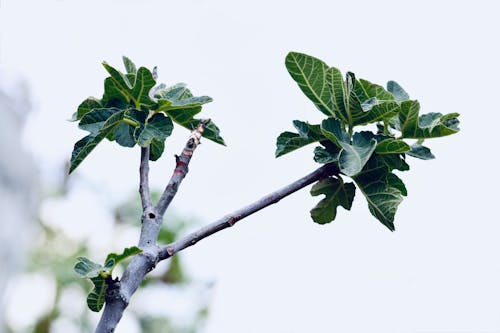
(117, 299)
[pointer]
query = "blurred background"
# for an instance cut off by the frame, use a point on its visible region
(275, 271)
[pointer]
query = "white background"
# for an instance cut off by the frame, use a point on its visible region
(277, 271)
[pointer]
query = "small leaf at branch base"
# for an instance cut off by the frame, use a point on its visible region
(96, 298)
(117, 258)
(337, 194)
(86, 268)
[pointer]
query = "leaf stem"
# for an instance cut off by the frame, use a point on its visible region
(130, 122)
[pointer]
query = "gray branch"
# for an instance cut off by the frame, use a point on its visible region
(231, 219)
(119, 292)
(144, 179)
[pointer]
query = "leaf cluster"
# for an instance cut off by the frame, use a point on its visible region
(135, 110)
(367, 157)
(100, 274)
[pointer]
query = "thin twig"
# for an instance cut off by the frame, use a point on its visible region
(181, 168)
(230, 219)
(144, 179)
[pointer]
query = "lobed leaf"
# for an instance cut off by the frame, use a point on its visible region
(431, 125)
(158, 127)
(96, 298)
(337, 193)
(383, 191)
(323, 156)
(289, 141)
(353, 157)
(83, 147)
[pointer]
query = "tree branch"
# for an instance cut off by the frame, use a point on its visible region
(117, 297)
(181, 168)
(230, 219)
(144, 179)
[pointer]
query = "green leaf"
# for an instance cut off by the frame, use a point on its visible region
(310, 75)
(96, 298)
(397, 91)
(375, 112)
(365, 90)
(392, 146)
(339, 94)
(86, 268)
(158, 127)
(420, 152)
(119, 86)
(332, 130)
(124, 135)
(388, 161)
(95, 119)
(383, 191)
(178, 97)
(115, 258)
(323, 156)
(86, 106)
(143, 83)
(156, 149)
(83, 147)
(353, 157)
(431, 125)
(337, 193)
(129, 65)
(288, 141)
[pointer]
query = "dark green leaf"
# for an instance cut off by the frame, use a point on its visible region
(337, 193)
(95, 119)
(332, 130)
(124, 135)
(83, 147)
(310, 75)
(96, 298)
(392, 146)
(383, 193)
(144, 81)
(388, 161)
(397, 91)
(431, 125)
(156, 149)
(421, 152)
(86, 106)
(288, 141)
(376, 112)
(323, 156)
(157, 127)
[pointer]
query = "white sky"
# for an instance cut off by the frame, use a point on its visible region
(277, 271)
